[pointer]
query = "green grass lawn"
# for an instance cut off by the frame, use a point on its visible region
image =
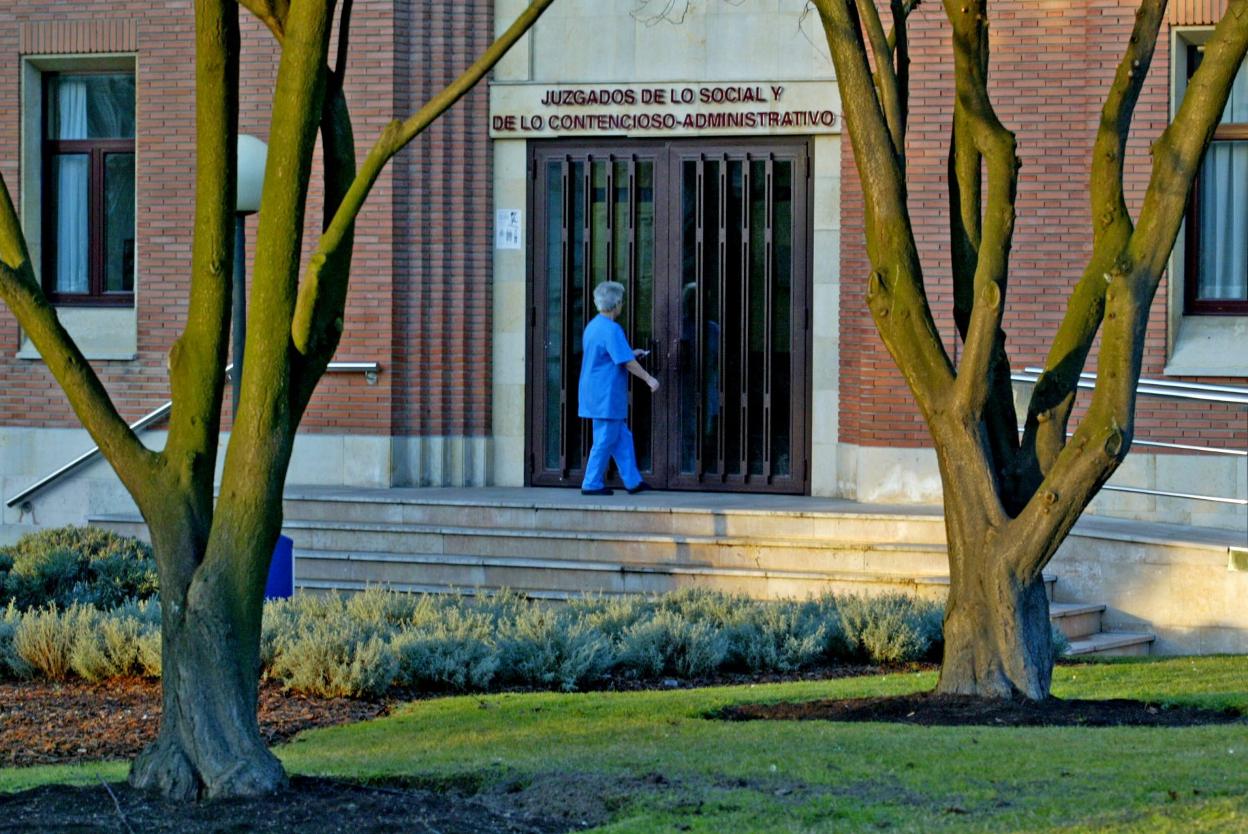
(662, 767)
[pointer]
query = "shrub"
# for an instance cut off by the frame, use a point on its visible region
(11, 662)
(362, 645)
(150, 653)
(1061, 643)
(667, 643)
(702, 605)
(335, 658)
(892, 628)
(781, 636)
(68, 565)
(611, 615)
(381, 609)
(542, 646)
(455, 652)
(109, 648)
(45, 638)
(42, 578)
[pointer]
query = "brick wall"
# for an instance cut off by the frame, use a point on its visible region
(1051, 66)
(419, 301)
(442, 231)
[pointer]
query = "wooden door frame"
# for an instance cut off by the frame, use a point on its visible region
(667, 156)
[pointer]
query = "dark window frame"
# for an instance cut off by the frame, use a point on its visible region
(96, 151)
(1193, 305)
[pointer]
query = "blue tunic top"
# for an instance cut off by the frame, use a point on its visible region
(604, 382)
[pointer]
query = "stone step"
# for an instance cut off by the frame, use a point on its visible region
(352, 555)
(1076, 620)
(561, 578)
(556, 510)
(1113, 644)
(638, 548)
(544, 577)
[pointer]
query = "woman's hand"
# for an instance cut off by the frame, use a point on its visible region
(653, 384)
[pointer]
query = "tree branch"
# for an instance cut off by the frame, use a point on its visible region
(263, 436)
(298, 106)
(272, 13)
(394, 138)
(1053, 397)
(1103, 437)
(197, 360)
(344, 40)
(19, 288)
(895, 293)
(898, 31)
(997, 147)
(321, 304)
(899, 47)
(885, 76)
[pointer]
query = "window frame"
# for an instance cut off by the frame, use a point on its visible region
(96, 151)
(1192, 304)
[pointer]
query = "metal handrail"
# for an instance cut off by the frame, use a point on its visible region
(1203, 392)
(1197, 391)
(369, 369)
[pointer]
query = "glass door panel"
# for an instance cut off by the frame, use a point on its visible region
(710, 243)
(741, 394)
(596, 222)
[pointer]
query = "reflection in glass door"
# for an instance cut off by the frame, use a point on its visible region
(737, 320)
(711, 245)
(597, 215)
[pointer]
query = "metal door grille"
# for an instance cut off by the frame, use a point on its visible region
(711, 245)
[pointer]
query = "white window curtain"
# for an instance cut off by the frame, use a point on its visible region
(71, 197)
(1224, 208)
(1224, 223)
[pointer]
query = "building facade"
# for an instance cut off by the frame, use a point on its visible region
(692, 152)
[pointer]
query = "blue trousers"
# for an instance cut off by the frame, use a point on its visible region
(612, 439)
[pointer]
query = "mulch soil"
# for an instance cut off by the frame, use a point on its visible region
(46, 723)
(308, 806)
(931, 710)
(56, 723)
(53, 723)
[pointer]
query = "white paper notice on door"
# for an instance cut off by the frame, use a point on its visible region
(507, 229)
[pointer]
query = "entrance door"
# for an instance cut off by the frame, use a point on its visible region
(711, 243)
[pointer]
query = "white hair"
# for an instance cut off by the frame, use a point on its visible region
(608, 296)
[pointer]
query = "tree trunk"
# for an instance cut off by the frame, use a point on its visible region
(998, 642)
(209, 743)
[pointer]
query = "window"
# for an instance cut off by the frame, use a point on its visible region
(88, 188)
(1216, 268)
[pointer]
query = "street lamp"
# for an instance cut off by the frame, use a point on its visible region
(252, 154)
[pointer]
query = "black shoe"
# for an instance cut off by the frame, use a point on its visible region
(641, 487)
(602, 491)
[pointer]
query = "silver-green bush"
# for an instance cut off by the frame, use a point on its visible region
(544, 646)
(892, 628)
(336, 658)
(668, 643)
(85, 565)
(453, 652)
(365, 644)
(45, 637)
(782, 636)
(107, 648)
(11, 662)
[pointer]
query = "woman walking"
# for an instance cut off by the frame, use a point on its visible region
(606, 356)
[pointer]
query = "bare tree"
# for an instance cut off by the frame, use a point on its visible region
(1010, 502)
(212, 560)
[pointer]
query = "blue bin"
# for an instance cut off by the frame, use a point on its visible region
(281, 582)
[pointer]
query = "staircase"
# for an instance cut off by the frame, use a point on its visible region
(554, 544)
